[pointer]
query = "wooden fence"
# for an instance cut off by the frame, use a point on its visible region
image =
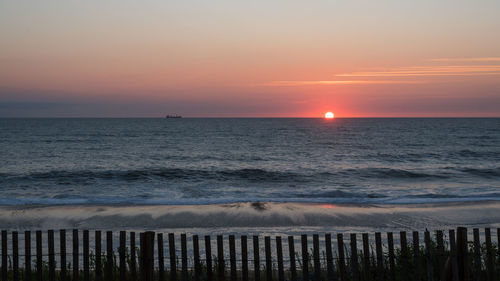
(440, 256)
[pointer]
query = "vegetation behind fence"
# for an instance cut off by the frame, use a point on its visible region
(436, 256)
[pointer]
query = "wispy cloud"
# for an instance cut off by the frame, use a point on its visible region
(440, 70)
(483, 59)
(337, 82)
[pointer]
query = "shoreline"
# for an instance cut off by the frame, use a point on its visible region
(255, 216)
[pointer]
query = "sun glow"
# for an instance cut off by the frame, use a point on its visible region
(329, 115)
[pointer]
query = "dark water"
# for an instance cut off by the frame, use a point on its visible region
(200, 161)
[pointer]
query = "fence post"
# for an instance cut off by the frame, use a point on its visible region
(220, 259)
(15, 256)
(340, 245)
(27, 256)
(161, 260)
(196, 253)
(390, 242)
(98, 256)
(208, 257)
(428, 261)
(404, 254)
(52, 260)
(147, 255)
(380, 258)
(462, 255)
(4, 255)
(62, 248)
(86, 269)
(269, 263)
(173, 257)
(133, 265)
(291, 252)
(354, 258)
(366, 257)
(317, 264)
(109, 255)
(489, 255)
(75, 255)
(256, 258)
(184, 257)
(39, 256)
(232, 257)
(279, 252)
(440, 251)
(122, 253)
(477, 254)
(244, 258)
(329, 257)
(416, 256)
(453, 255)
(305, 258)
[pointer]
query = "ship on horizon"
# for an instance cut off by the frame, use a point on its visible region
(173, 116)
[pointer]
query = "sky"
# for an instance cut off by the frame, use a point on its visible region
(273, 58)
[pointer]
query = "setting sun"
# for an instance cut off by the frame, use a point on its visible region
(329, 115)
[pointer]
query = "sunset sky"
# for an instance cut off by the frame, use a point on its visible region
(256, 58)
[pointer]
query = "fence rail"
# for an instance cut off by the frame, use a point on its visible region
(438, 256)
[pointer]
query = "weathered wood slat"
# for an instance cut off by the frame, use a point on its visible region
(232, 257)
(208, 257)
(489, 255)
(256, 258)
(269, 261)
(196, 254)
(52, 258)
(184, 259)
(416, 256)
(161, 257)
(317, 264)
(354, 258)
(329, 257)
(122, 253)
(27, 256)
(4, 255)
(173, 257)
(380, 257)
(86, 259)
(62, 249)
(477, 255)
(404, 255)
(133, 258)
(221, 270)
(39, 256)
(428, 261)
(392, 264)
(366, 258)
(341, 261)
(462, 254)
(244, 258)
(109, 255)
(15, 256)
(440, 253)
(98, 256)
(453, 256)
(291, 251)
(305, 258)
(279, 253)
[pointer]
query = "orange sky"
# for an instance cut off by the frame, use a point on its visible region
(262, 58)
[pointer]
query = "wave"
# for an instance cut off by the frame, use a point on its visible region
(251, 175)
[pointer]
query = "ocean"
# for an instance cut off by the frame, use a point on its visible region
(191, 161)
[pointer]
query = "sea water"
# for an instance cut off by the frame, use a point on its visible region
(226, 160)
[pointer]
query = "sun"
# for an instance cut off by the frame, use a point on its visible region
(329, 115)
